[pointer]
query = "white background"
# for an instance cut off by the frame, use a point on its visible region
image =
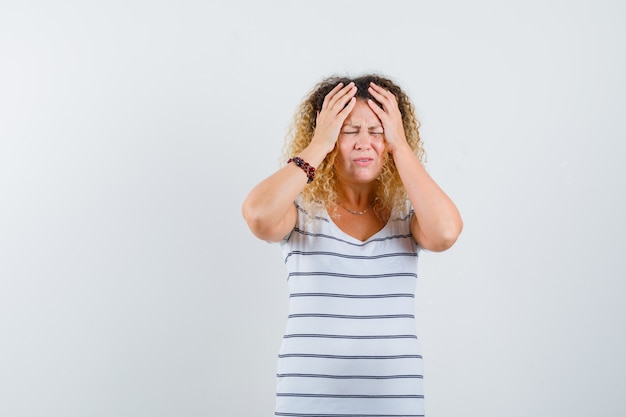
(131, 131)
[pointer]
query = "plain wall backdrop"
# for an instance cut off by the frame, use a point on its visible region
(131, 132)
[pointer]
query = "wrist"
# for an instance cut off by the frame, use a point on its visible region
(400, 148)
(314, 153)
(322, 143)
(308, 169)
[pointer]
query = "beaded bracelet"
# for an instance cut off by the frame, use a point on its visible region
(306, 167)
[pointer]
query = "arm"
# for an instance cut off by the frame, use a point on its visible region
(437, 222)
(268, 209)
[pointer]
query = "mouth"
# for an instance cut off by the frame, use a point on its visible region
(363, 161)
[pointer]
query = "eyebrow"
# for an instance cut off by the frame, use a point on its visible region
(359, 126)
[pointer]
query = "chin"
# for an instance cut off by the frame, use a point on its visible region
(365, 179)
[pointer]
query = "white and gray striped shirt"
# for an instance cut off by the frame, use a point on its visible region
(350, 347)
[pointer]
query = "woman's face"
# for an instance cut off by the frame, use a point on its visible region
(361, 146)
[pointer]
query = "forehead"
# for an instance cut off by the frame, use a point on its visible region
(362, 114)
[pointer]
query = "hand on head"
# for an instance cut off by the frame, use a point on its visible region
(389, 116)
(339, 103)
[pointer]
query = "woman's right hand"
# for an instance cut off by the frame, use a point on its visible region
(269, 209)
(337, 105)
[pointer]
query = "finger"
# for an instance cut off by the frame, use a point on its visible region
(378, 95)
(376, 109)
(342, 96)
(380, 90)
(331, 94)
(328, 99)
(382, 95)
(347, 109)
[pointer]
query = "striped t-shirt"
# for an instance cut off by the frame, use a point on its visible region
(350, 347)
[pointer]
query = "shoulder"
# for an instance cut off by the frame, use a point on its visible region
(402, 213)
(401, 220)
(310, 212)
(310, 218)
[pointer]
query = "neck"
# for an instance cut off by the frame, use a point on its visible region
(357, 198)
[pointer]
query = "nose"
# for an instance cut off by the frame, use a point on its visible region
(362, 141)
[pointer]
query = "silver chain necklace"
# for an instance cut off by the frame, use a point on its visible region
(358, 213)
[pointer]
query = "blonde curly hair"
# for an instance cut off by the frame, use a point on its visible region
(390, 193)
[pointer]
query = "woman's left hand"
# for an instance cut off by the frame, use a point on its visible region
(389, 116)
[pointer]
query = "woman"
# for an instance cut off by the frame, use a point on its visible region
(352, 208)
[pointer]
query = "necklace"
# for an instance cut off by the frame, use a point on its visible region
(358, 213)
